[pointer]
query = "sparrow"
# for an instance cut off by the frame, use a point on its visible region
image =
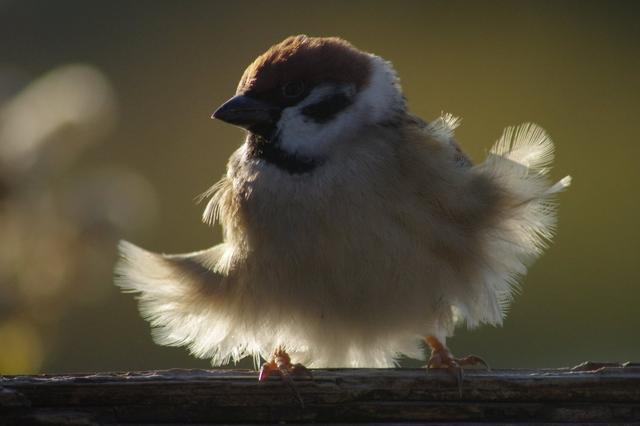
(353, 231)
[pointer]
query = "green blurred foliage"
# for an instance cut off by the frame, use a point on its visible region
(570, 66)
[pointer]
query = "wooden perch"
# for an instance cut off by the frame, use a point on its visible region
(589, 393)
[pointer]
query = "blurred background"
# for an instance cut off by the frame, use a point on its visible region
(105, 134)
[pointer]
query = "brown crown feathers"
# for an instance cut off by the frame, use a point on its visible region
(311, 60)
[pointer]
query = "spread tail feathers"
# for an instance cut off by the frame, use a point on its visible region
(182, 296)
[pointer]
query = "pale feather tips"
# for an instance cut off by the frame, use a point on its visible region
(519, 163)
(527, 144)
(178, 295)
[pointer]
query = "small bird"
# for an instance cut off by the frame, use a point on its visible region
(352, 229)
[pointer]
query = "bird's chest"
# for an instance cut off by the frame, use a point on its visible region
(335, 249)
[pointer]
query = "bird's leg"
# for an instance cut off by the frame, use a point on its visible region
(441, 357)
(280, 362)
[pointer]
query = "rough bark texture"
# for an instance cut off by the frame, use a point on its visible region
(590, 393)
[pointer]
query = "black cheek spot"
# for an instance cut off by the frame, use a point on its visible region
(326, 109)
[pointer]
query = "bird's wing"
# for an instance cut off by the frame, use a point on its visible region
(507, 205)
(518, 164)
(178, 294)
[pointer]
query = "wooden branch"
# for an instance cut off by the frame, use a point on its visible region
(590, 393)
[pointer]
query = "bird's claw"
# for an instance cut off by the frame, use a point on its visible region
(473, 360)
(442, 358)
(265, 371)
(281, 363)
(285, 370)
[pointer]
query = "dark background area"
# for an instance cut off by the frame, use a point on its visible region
(104, 134)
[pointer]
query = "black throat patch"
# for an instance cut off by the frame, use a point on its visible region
(270, 151)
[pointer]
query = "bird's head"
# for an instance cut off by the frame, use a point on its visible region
(305, 94)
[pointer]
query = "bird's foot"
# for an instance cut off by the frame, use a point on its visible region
(280, 363)
(441, 357)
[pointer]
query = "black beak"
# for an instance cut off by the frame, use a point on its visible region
(252, 114)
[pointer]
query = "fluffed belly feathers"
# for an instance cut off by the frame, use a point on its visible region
(339, 277)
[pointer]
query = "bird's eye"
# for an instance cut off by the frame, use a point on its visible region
(293, 89)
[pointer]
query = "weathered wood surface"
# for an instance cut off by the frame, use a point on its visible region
(609, 394)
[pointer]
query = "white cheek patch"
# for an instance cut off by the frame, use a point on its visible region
(383, 95)
(301, 135)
